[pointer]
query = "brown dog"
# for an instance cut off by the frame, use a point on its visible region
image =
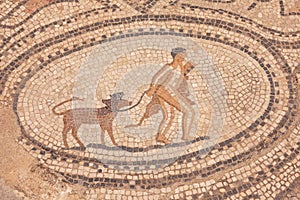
(104, 116)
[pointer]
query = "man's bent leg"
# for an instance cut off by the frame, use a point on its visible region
(172, 116)
(187, 118)
(160, 137)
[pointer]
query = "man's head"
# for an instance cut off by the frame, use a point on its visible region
(187, 68)
(178, 54)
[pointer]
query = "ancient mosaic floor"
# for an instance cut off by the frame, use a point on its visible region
(150, 99)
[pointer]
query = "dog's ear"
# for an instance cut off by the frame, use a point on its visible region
(117, 95)
(107, 102)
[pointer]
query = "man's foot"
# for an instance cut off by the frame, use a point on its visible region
(82, 148)
(188, 137)
(162, 138)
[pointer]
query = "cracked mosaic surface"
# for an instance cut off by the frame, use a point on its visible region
(213, 83)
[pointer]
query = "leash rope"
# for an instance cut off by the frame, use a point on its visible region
(126, 109)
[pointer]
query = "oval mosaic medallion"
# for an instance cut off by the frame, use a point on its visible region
(197, 104)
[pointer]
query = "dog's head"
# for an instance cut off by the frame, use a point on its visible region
(117, 96)
(116, 101)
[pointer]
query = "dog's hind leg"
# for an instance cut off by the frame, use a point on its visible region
(75, 135)
(65, 131)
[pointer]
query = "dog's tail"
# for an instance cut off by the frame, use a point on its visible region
(62, 113)
(123, 110)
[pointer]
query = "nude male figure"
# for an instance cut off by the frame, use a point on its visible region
(169, 86)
